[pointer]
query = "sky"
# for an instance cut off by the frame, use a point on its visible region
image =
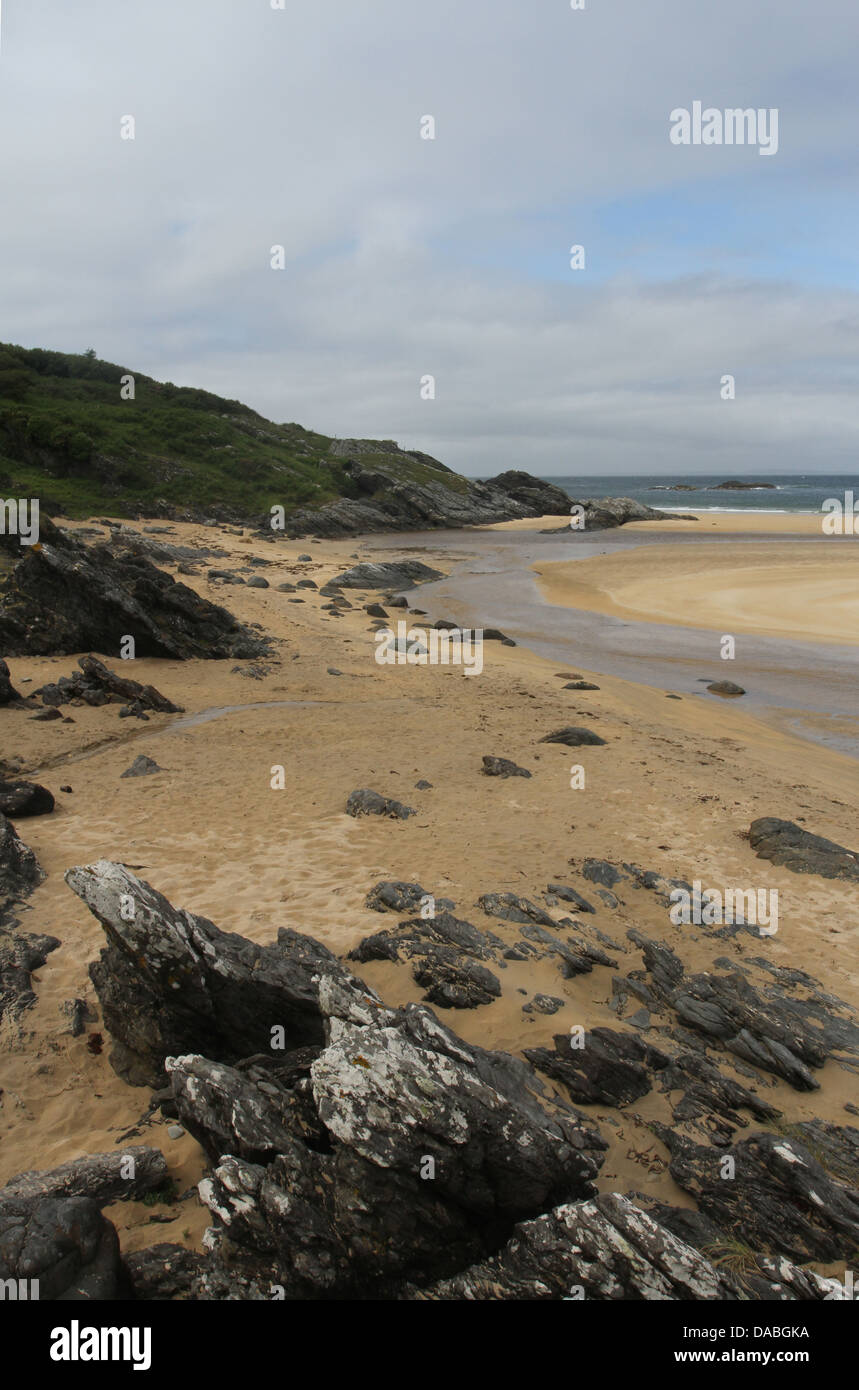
(406, 258)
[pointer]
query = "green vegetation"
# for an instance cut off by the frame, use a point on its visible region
(69, 438)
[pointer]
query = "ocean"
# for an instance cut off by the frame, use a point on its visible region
(785, 492)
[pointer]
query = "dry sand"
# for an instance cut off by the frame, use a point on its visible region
(674, 789)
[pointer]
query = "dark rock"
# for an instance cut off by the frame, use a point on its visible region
(370, 803)
(63, 597)
(375, 610)
(306, 584)
(19, 870)
(569, 895)
(164, 1272)
(543, 1004)
(400, 574)
(611, 1067)
(502, 767)
(18, 799)
(96, 684)
(20, 954)
(423, 785)
(169, 982)
(256, 581)
(64, 1243)
(607, 1249)
(46, 715)
(8, 694)
(725, 688)
(97, 1176)
(141, 767)
(780, 1200)
(401, 897)
(573, 738)
(785, 843)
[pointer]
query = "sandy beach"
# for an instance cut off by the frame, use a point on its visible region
(674, 790)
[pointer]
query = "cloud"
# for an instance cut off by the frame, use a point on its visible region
(300, 127)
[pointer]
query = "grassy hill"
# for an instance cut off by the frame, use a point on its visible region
(68, 438)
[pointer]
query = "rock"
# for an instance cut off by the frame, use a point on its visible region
(104, 1177)
(63, 596)
(502, 767)
(19, 870)
(423, 785)
(611, 1067)
(165, 1272)
(569, 895)
(370, 803)
(444, 952)
(175, 1131)
(606, 1249)
(20, 954)
(306, 584)
(79, 1013)
(304, 558)
(64, 1243)
(780, 1032)
(389, 896)
(607, 512)
(573, 738)
(725, 688)
(286, 588)
(780, 1201)
(141, 767)
(375, 610)
(19, 799)
(8, 693)
(543, 1004)
(580, 685)
(96, 684)
(169, 981)
(346, 1212)
(784, 843)
(401, 574)
(46, 715)
(332, 671)
(256, 581)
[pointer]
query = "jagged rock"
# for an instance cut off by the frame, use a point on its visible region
(780, 1201)
(169, 981)
(20, 954)
(63, 596)
(19, 870)
(509, 907)
(572, 737)
(370, 803)
(399, 574)
(606, 1249)
(785, 843)
(351, 1213)
(569, 895)
(142, 767)
(401, 897)
(502, 767)
(611, 1067)
(776, 1031)
(607, 512)
(97, 1176)
(96, 684)
(64, 1243)
(163, 1272)
(543, 1004)
(444, 952)
(19, 799)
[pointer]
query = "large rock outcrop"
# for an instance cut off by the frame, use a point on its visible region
(62, 596)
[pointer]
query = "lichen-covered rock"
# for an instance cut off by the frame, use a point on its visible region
(170, 982)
